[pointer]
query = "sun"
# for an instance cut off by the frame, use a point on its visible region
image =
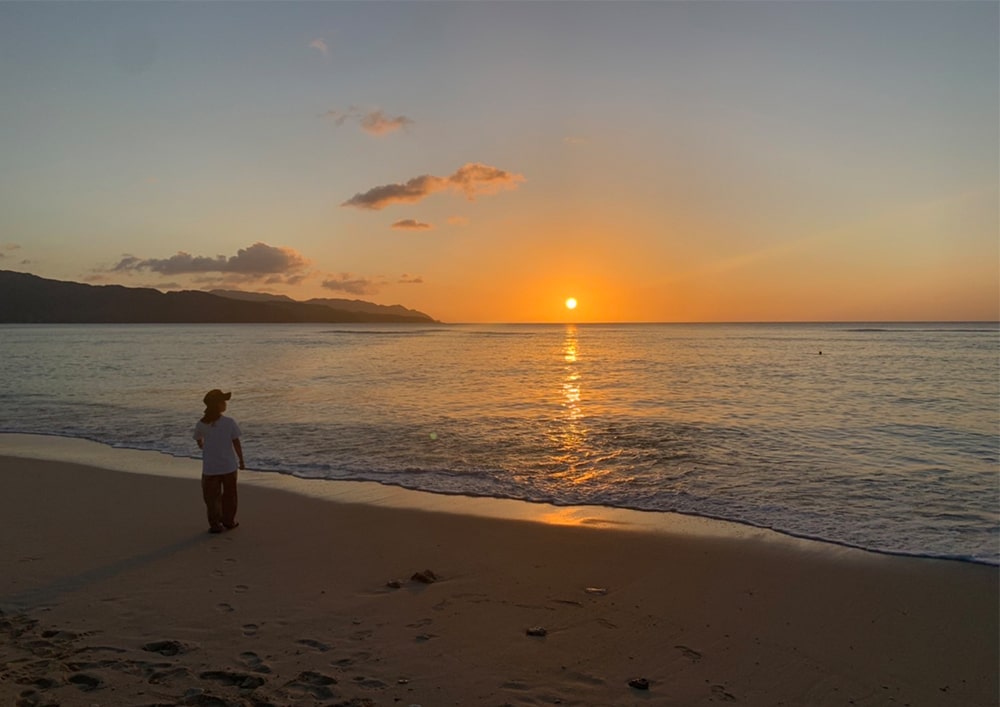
(571, 303)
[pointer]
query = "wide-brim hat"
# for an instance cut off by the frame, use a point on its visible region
(216, 396)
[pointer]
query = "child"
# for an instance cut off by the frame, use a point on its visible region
(218, 438)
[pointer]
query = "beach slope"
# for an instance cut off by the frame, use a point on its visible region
(112, 593)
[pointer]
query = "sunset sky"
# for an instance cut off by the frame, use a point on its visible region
(484, 161)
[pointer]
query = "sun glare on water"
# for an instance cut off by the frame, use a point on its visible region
(571, 303)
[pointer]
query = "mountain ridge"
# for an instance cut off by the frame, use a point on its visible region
(31, 299)
(347, 305)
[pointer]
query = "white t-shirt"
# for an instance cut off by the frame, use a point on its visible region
(218, 455)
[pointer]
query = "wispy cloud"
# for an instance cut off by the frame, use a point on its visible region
(473, 179)
(8, 248)
(378, 123)
(352, 284)
(374, 122)
(412, 224)
(407, 279)
(320, 46)
(271, 264)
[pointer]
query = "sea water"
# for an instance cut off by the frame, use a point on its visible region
(879, 436)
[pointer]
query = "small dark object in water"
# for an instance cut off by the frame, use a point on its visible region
(639, 683)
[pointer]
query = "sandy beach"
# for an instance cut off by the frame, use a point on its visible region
(112, 593)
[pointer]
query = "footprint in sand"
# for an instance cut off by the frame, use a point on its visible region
(85, 681)
(224, 608)
(250, 629)
(252, 661)
(110, 649)
(42, 683)
(41, 648)
(240, 588)
(229, 677)
(720, 692)
(370, 683)
(82, 665)
(160, 677)
(315, 645)
(312, 683)
(167, 648)
(361, 656)
(689, 653)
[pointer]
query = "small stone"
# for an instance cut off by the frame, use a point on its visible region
(537, 631)
(426, 577)
(600, 591)
(394, 584)
(639, 683)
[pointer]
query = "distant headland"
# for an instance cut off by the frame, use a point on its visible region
(29, 299)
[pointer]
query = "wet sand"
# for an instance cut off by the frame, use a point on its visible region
(113, 594)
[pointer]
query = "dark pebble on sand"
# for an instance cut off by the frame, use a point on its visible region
(639, 683)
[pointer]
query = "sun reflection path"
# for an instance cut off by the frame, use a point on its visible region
(570, 438)
(571, 383)
(571, 392)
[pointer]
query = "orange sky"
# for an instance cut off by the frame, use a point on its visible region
(482, 162)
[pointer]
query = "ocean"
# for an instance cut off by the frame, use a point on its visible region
(884, 437)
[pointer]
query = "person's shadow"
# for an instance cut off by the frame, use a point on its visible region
(46, 594)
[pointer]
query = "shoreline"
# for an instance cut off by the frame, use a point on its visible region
(50, 447)
(118, 596)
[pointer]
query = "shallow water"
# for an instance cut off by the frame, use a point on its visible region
(887, 440)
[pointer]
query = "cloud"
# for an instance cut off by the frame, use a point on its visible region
(260, 261)
(378, 123)
(320, 46)
(409, 223)
(412, 191)
(8, 248)
(128, 262)
(407, 279)
(346, 282)
(472, 179)
(373, 122)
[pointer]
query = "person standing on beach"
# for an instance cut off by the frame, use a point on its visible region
(218, 438)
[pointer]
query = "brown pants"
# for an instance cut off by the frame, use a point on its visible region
(219, 492)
